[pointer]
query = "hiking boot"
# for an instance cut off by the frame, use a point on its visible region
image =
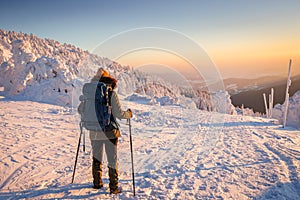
(116, 191)
(113, 180)
(97, 173)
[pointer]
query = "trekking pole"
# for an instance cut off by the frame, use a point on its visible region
(80, 124)
(129, 123)
(83, 138)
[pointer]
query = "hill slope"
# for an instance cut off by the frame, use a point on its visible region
(44, 70)
(253, 98)
(178, 154)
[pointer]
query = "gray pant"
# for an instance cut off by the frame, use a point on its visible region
(110, 149)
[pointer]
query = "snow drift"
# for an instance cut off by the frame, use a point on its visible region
(293, 116)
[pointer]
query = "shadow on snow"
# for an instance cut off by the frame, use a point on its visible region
(64, 191)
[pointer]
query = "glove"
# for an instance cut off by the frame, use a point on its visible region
(130, 112)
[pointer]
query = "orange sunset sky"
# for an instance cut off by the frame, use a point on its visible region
(243, 38)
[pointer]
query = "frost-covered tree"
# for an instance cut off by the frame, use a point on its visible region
(48, 71)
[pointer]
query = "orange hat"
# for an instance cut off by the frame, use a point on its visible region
(102, 72)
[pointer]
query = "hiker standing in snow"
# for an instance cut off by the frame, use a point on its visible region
(99, 139)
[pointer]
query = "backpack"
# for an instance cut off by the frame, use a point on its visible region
(95, 107)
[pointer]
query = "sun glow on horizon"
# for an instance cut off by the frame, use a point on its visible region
(165, 64)
(230, 62)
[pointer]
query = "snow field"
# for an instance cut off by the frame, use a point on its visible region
(178, 154)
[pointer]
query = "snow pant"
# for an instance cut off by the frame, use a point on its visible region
(111, 154)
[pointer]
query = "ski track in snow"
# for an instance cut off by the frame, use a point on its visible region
(178, 154)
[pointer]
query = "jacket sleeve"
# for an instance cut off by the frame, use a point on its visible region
(116, 108)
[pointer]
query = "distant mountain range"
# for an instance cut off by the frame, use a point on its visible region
(249, 92)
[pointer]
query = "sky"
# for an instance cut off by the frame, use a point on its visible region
(242, 38)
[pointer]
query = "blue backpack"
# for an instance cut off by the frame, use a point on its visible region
(95, 107)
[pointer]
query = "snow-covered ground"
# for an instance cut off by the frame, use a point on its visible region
(179, 153)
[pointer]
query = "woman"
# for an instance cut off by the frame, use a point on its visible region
(99, 139)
